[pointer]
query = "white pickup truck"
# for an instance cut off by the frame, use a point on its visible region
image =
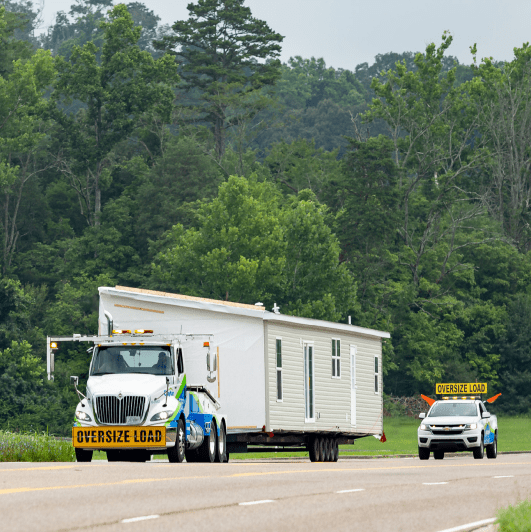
(456, 425)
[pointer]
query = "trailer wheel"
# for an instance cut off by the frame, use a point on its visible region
(492, 449)
(479, 452)
(322, 449)
(335, 454)
(438, 455)
(424, 454)
(328, 450)
(83, 456)
(176, 453)
(221, 453)
(207, 451)
(313, 449)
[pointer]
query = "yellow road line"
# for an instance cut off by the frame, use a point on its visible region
(247, 474)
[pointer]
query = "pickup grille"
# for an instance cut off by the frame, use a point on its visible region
(447, 430)
(114, 411)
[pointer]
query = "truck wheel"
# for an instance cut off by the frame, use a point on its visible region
(207, 451)
(438, 455)
(492, 449)
(221, 453)
(176, 453)
(191, 456)
(83, 456)
(335, 454)
(479, 452)
(313, 449)
(424, 454)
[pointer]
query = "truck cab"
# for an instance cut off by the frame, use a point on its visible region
(138, 403)
(457, 424)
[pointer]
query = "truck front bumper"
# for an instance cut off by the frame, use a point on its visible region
(464, 441)
(154, 438)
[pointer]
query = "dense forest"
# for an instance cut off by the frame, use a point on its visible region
(190, 159)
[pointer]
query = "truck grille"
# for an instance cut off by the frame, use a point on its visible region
(114, 411)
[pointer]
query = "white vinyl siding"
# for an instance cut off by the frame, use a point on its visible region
(332, 398)
(279, 368)
(336, 358)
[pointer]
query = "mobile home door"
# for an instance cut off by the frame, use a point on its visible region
(353, 385)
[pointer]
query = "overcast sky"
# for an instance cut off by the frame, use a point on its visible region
(349, 32)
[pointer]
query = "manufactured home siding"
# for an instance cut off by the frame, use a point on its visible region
(332, 396)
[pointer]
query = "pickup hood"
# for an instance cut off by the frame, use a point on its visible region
(134, 384)
(451, 420)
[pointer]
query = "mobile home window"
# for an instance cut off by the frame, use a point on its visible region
(279, 369)
(336, 358)
(375, 374)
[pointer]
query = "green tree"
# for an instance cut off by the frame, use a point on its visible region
(227, 56)
(114, 94)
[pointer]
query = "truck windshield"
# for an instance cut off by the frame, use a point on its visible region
(152, 360)
(453, 409)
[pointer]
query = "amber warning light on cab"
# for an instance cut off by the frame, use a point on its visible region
(461, 388)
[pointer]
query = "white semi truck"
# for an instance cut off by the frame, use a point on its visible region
(286, 383)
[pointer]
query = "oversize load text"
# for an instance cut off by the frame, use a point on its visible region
(114, 437)
(463, 387)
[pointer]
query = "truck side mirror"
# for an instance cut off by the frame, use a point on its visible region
(180, 362)
(485, 415)
(422, 415)
(74, 380)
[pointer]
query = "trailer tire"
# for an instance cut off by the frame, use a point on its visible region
(335, 455)
(479, 452)
(424, 454)
(207, 451)
(322, 444)
(313, 449)
(176, 453)
(221, 447)
(438, 455)
(83, 456)
(492, 449)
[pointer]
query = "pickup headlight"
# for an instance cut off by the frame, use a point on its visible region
(161, 416)
(471, 426)
(424, 427)
(82, 416)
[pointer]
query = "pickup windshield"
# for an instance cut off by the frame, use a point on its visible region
(152, 360)
(453, 409)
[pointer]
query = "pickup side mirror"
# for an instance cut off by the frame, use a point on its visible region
(74, 380)
(485, 415)
(422, 415)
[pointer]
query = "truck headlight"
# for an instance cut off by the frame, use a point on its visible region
(161, 416)
(82, 416)
(471, 426)
(424, 427)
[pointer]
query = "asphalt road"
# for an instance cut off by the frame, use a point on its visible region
(381, 495)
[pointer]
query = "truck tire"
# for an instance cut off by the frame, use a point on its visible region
(479, 452)
(176, 453)
(313, 449)
(207, 451)
(492, 449)
(83, 456)
(326, 449)
(438, 455)
(191, 456)
(335, 454)
(221, 448)
(424, 454)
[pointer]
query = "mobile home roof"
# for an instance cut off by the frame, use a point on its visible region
(229, 307)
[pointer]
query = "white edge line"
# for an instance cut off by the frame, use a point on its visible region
(143, 518)
(504, 476)
(255, 502)
(350, 491)
(469, 525)
(433, 483)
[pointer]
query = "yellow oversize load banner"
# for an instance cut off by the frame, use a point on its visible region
(460, 388)
(119, 437)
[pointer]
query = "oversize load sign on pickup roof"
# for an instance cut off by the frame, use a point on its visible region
(459, 388)
(119, 436)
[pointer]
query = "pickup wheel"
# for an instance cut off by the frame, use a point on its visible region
(176, 453)
(83, 456)
(424, 454)
(492, 449)
(221, 452)
(438, 455)
(207, 451)
(479, 452)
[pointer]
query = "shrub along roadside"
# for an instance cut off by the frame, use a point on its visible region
(20, 447)
(515, 518)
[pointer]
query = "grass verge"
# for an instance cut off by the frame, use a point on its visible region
(25, 447)
(515, 518)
